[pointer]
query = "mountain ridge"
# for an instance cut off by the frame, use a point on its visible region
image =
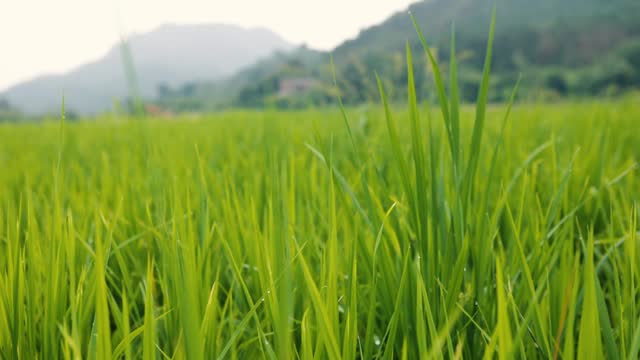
(170, 54)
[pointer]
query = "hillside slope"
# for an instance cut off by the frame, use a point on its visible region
(569, 32)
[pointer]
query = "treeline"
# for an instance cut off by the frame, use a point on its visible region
(612, 74)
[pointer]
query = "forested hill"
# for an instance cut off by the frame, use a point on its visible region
(561, 48)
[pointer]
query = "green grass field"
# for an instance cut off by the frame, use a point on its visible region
(291, 235)
(432, 232)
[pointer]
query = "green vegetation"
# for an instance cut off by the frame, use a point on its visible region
(494, 231)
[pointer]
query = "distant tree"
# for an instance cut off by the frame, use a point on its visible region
(4, 104)
(163, 90)
(188, 89)
(8, 112)
(557, 83)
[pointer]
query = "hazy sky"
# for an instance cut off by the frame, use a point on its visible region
(53, 36)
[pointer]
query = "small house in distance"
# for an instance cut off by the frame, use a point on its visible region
(157, 111)
(296, 86)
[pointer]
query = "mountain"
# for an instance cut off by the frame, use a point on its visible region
(169, 56)
(560, 47)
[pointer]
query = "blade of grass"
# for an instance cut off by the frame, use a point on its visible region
(589, 341)
(478, 125)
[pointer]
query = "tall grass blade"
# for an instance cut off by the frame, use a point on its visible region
(589, 342)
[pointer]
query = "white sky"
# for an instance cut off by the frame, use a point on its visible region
(53, 36)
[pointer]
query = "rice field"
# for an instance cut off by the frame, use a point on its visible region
(387, 232)
(293, 235)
